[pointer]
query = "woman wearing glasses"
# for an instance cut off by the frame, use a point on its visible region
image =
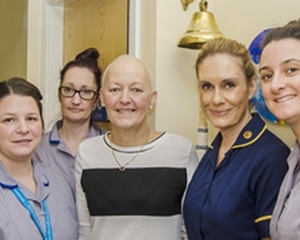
(78, 96)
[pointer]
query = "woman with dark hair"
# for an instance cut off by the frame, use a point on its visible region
(78, 97)
(280, 76)
(35, 202)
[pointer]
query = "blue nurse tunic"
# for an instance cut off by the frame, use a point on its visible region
(235, 200)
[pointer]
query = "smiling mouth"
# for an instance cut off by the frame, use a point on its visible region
(125, 110)
(75, 110)
(219, 113)
(286, 98)
(23, 141)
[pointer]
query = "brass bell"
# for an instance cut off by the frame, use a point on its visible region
(202, 28)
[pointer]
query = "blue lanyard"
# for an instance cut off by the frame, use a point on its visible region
(23, 200)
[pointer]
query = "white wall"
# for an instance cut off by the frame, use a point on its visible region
(162, 23)
(242, 20)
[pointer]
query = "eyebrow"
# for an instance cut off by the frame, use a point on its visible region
(291, 60)
(263, 68)
(283, 63)
(16, 113)
(72, 85)
(229, 79)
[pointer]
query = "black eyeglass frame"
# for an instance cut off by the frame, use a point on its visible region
(60, 89)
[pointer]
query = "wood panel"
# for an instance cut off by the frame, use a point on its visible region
(101, 24)
(13, 32)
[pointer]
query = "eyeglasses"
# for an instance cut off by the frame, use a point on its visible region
(85, 94)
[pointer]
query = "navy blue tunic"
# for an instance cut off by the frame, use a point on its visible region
(236, 199)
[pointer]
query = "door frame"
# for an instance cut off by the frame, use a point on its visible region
(45, 48)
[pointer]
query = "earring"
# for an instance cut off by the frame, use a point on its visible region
(99, 105)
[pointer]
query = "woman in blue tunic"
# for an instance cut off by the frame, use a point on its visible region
(234, 189)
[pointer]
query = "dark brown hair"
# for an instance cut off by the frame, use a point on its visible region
(86, 59)
(231, 48)
(290, 30)
(20, 86)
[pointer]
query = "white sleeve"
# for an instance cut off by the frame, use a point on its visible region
(192, 164)
(82, 208)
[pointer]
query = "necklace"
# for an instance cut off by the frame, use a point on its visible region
(122, 168)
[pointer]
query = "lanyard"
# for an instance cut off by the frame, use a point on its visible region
(23, 200)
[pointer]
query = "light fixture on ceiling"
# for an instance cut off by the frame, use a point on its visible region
(202, 28)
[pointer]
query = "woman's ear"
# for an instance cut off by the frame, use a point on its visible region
(101, 101)
(252, 87)
(98, 103)
(153, 98)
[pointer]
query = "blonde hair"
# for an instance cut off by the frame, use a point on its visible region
(231, 48)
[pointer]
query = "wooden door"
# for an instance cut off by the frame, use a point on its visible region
(102, 24)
